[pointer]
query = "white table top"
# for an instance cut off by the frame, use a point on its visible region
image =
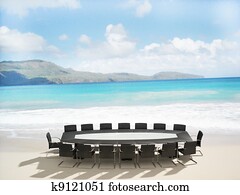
(125, 136)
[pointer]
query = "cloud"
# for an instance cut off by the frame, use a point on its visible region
(216, 58)
(117, 44)
(22, 7)
(237, 34)
(63, 37)
(117, 40)
(84, 39)
(141, 7)
(14, 41)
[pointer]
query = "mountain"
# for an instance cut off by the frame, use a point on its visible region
(174, 75)
(33, 72)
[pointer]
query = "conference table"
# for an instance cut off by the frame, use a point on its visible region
(126, 136)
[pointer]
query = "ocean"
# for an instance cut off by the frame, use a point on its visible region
(212, 104)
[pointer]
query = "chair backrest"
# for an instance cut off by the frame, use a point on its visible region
(49, 138)
(179, 127)
(169, 150)
(127, 151)
(105, 126)
(147, 151)
(140, 125)
(190, 148)
(66, 150)
(123, 125)
(199, 138)
(160, 126)
(69, 128)
(87, 127)
(106, 151)
(84, 151)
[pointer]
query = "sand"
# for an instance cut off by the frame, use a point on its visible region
(26, 156)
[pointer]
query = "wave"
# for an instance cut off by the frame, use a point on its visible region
(220, 118)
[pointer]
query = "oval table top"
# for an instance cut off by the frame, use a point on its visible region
(126, 136)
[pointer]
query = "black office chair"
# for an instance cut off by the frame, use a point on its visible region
(199, 141)
(147, 152)
(169, 150)
(188, 149)
(106, 152)
(159, 126)
(106, 126)
(69, 128)
(179, 127)
(66, 150)
(52, 144)
(124, 126)
(87, 127)
(85, 152)
(140, 125)
(127, 152)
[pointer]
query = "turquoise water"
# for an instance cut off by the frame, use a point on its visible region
(120, 93)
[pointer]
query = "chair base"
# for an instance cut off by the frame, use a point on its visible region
(134, 162)
(114, 163)
(195, 162)
(78, 164)
(52, 151)
(151, 161)
(146, 168)
(67, 167)
(201, 154)
(80, 160)
(166, 167)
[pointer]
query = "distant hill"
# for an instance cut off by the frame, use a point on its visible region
(34, 72)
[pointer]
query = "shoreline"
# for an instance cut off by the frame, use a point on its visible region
(212, 118)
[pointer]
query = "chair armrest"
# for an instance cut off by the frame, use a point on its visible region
(56, 138)
(139, 151)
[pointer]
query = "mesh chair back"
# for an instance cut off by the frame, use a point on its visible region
(49, 138)
(66, 150)
(87, 127)
(69, 128)
(140, 125)
(190, 148)
(199, 138)
(127, 151)
(105, 126)
(179, 127)
(147, 151)
(169, 150)
(106, 151)
(123, 125)
(84, 151)
(160, 126)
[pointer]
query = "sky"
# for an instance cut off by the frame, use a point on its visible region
(136, 36)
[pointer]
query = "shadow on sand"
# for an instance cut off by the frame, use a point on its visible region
(47, 167)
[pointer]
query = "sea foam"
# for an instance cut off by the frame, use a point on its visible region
(221, 118)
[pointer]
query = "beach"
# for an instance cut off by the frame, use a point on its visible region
(27, 113)
(24, 147)
(26, 158)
